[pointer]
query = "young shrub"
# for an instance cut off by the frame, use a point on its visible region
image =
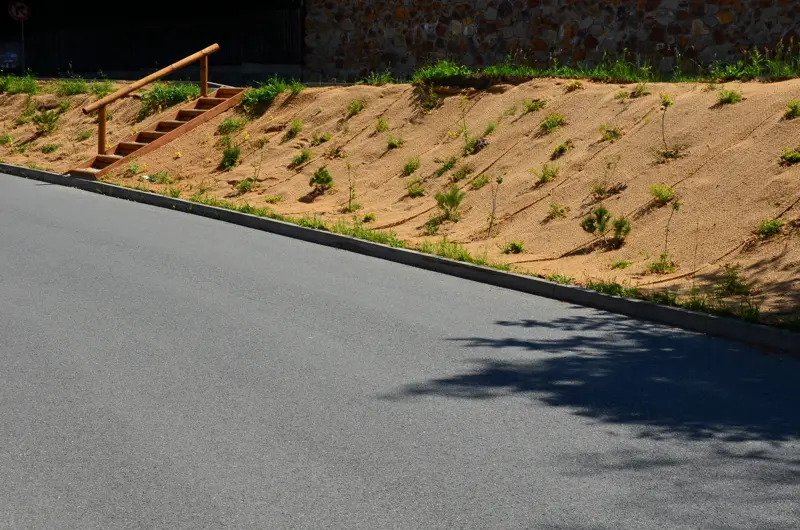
(83, 135)
(560, 150)
(622, 95)
(622, 227)
(173, 192)
(49, 148)
(319, 138)
(101, 89)
(246, 185)
(415, 189)
(446, 166)
(667, 153)
(663, 265)
(513, 247)
(490, 128)
(640, 90)
(479, 182)
(162, 177)
(321, 180)
(394, 143)
(529, 106)
(792, 109)
(46, 121)
(410, 167)
(662, 194)
(368, 218)
(352, 205)
(230, 157)
(789, 157)
(448, 202)
(377, 79)
(302, 158)
(132, 169)
(381, 125)
(596, 222)
(572, 86)
(613, 288)
(728, 97)
(163, 95)
(547, 173)
(230, 125)
(335, 152)
(552, 122)
(461, 173)
(6, 139)
(556, 211)
(769, 227)
(70, 87)
(272, 199)
(560, 278)
(610, 134)
(294, 129)
(354, 108)
(619, 265)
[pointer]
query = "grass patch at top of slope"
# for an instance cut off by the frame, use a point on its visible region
(163, 95)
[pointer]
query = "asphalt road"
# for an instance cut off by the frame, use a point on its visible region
(162, 370)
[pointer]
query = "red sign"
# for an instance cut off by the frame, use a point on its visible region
(19, 10)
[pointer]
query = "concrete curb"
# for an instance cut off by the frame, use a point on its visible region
(727, 328)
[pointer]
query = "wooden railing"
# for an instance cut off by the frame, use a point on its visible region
(100, 105)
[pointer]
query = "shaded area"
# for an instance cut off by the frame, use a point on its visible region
(615, 370)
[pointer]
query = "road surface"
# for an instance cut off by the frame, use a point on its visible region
(162, 370)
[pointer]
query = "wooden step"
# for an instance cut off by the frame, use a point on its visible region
(189, 114)
(227, 92)
(148, 136)
(207, 103)
(168, 125)
(102, 161)
(126, 148)
(89, 173)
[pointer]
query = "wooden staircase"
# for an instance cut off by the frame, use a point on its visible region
(175, 124)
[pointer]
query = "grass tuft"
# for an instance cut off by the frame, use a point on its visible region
(662, 194)
(728, 97)
(546, 174)
(769, 227)
(552, 122)
(302, 158)
(792, 109)
(410, 167)
(415, 189)
(230, 125)
(163, 95)
(513, 247)
(529, 105)
(789, 157)
(354, 108)
(610, 134)
(479, 182)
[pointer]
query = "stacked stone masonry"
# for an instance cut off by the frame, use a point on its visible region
(346, 39)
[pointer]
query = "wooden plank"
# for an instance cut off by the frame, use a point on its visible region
(204, 76)
(101, 130)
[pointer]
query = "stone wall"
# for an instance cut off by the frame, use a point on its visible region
(345, 39)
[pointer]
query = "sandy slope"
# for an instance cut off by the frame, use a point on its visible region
(728, 177)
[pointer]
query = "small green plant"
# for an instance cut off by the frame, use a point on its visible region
(448, 202)
(490, 128)
(513, 247)
(640, 90)
(381, 125)
(63, 106)
(560, 278)
(173, 192)
(368, 218)
(162, 177)
(12, 84)
(83, 135)
(394, 143)
(613, 288)
(101, 89)
(619, 265)
(510, 111)
(792, 109)
(663, 265)
(572, 86)
(302, 158)
(230, 157)
(320, 138)
(6, 139)
(415, 189)
(667, 153)
(46, 121)
(21, 148)
(462, 172)
(446, 166)
(547, 173)
(789, 157)
(272, 199)
(610, 134)
(479, 182)
(471, 144)
(246, 185)
(529, 105)
(354, 108)
(662, 194)
(335, 152)
(294, 129)
(352, 205)
(132, 169)
(377, 79)
(70, 87)
(730, 283)
(163, 95)
(728, 97)
(622, 94)
(256, 100)
(622, 227)
(430, 100)
(28, 110)
(556, 211)
(552, 122)
(321, 180)
(560, 150)
(769, 227)
(597, 222)
(230, 125)
(410, 167)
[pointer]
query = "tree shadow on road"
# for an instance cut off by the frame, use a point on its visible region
(619, 371)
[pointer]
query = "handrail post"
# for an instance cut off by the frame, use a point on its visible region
(101, 130)
(204, 76)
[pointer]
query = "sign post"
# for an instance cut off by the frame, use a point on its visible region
(21, 12)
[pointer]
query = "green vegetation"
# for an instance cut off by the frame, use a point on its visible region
(572, 86)
(302, 158)
(622, 94)
(556, 211)
(619, 265)
(163, 95)
(368, 218)
(394, 143)
(335, 152)
(490, 128)
(6, 139)
(352, 205)
(792, 109)
(322, 180)
(667, 153)
(446, 166)
(46, 122)
(377, 79)
(547, 173)
(462, 172)
(272, 199)
(597, 224)
(450, 250)
(552, 122)
(231, 125)
(529, 106)
(354, 108)
(230, 157)
(410, 167)
(439, 70)
(415, 189)
(610, 134)
(513, 247)
(162, 177)
(256, 100)
(101, 89)
(246, 185)
(173, 192)
(613, 288)
(132, 169)
(448, 202)
(728, 97)
(12, 84)
(84, 135)
(662, 194)
(560, 150)
(559, 278)
(640, 90)
(789, 157)
(294, 129)
(320, 138)
(71, 86)
(769, 227)
(663, 265)
(479, 182)
(48, 148)
(381, 125)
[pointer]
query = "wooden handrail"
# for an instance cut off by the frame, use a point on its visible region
(202, 54)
